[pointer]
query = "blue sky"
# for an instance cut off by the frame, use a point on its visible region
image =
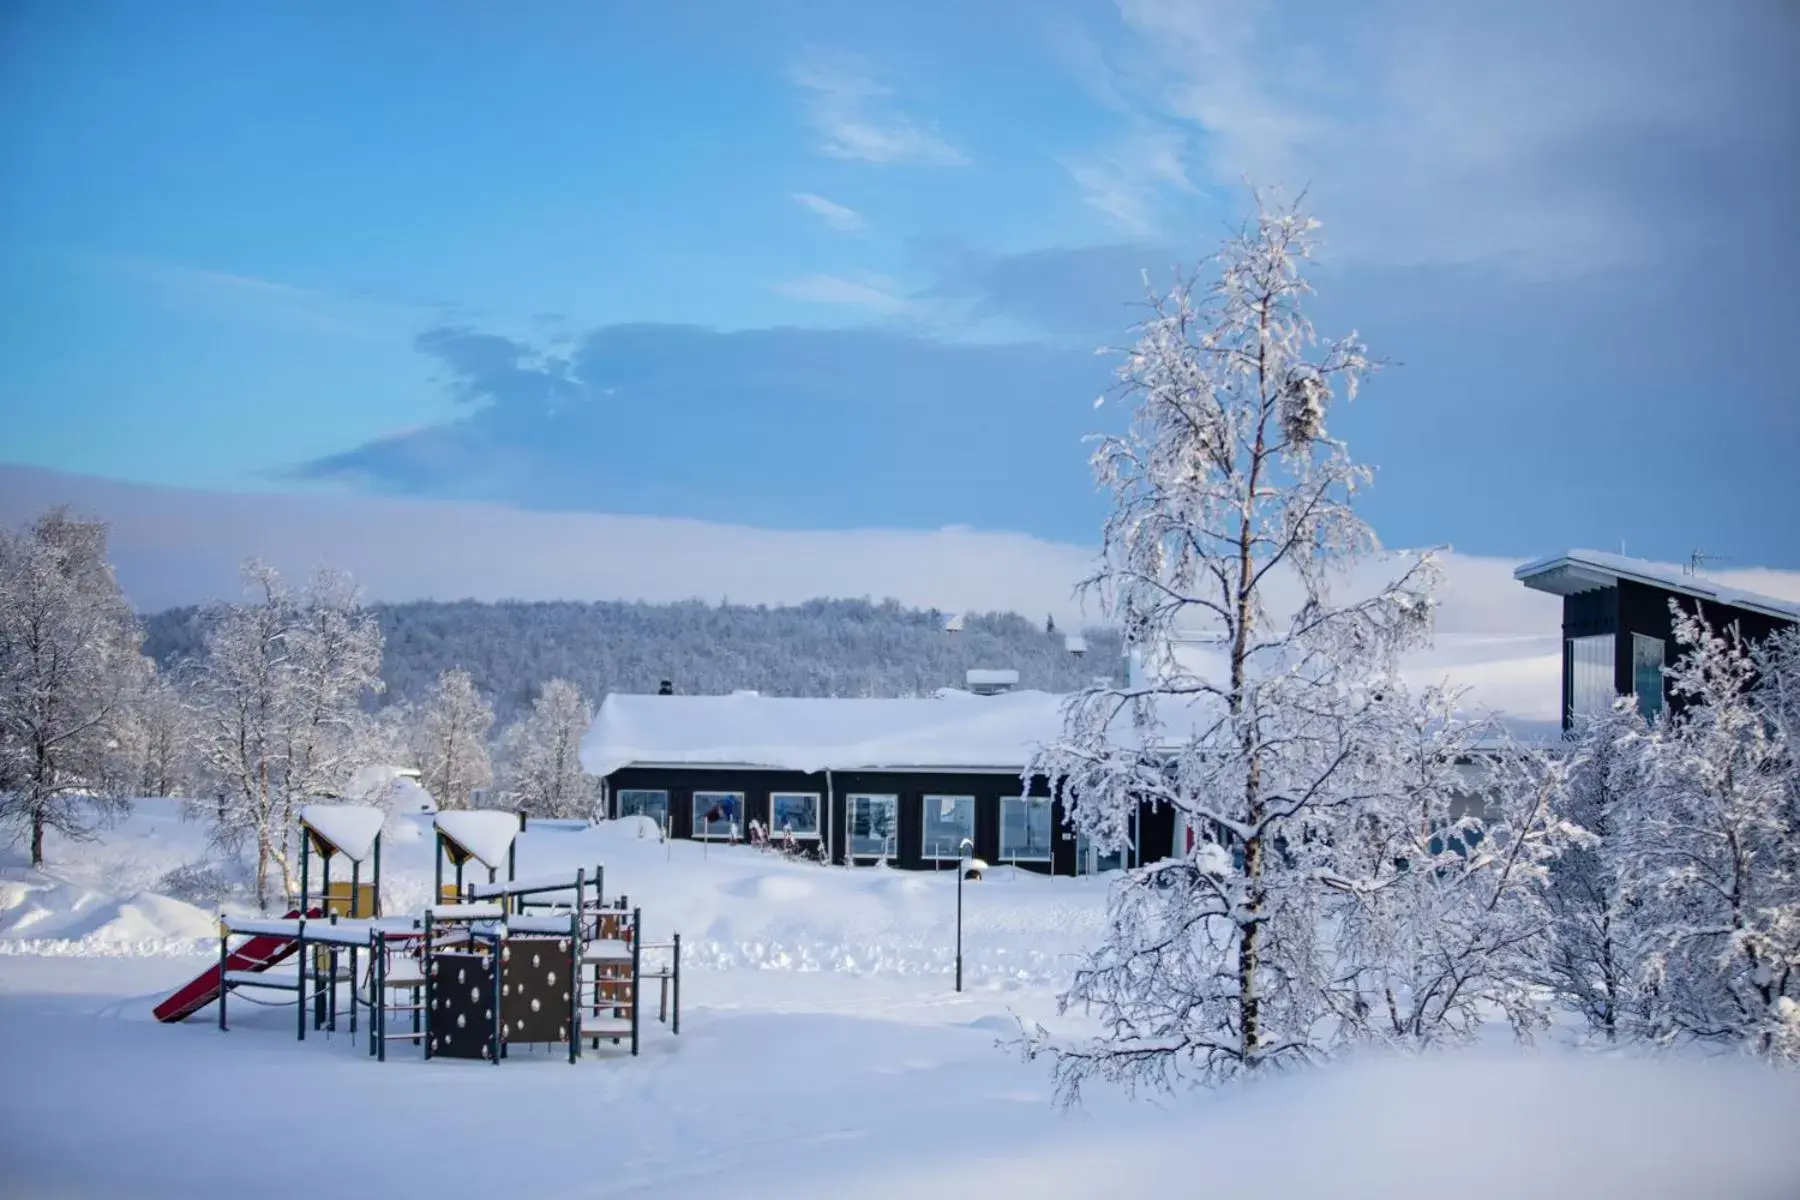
(836, 266)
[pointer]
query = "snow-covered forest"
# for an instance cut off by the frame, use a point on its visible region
(819, 648)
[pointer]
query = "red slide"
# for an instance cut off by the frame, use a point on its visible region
(258, 954)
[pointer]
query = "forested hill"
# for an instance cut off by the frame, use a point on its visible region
(820, 648)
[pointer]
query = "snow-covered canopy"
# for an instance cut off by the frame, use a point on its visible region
(951, 729)
(487, 835)
(352, 828)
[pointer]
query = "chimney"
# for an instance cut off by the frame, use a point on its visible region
(666, 688)
(985, 682)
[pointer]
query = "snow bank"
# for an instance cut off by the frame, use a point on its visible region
(37, 910)
(1464, 1127)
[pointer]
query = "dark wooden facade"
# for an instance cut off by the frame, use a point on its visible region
(1629, 607)
(1155, 832)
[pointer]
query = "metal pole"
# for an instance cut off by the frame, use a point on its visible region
(677, 1014)
(224, 961)
(377, 880)
(959, 883)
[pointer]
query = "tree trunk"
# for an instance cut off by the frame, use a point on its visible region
(262, 871)
(1249, 955)
(37, 837)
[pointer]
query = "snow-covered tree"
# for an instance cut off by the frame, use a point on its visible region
(1594, 953)
(1232, 514)
(449, 740)
(155, 744)
(1438, 873)
(1717, 845)
(543, 755)
(278, 704)
(69, 667)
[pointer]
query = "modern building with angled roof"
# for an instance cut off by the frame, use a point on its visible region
(1618, 625)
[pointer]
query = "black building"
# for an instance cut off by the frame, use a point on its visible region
(901, 781)
(1618, 629)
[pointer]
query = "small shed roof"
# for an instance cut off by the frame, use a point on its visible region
(350, 829)
(486, 835)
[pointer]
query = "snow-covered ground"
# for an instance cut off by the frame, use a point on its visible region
(822, 1053)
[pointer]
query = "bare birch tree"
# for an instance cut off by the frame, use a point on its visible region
(543, 752)
(278, 708)
(1232, 513)
(69, 668)
(449, 740)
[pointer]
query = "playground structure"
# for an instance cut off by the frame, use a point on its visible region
(495, 965)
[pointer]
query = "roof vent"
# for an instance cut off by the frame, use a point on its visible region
(985, 682)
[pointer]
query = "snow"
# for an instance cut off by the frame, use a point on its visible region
(1581, 570)
(487, 835)
(352, 828)
(822, 1053)
(951, 729)
(466, 912)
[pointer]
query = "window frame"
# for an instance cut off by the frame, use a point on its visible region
(925, 806)
(817, 830)
(1651, 707)
(619, 805)
(1590, 665)
(700, 824)
(1049, 853)
(892, 847)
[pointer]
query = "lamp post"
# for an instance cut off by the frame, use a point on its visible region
(966, 865)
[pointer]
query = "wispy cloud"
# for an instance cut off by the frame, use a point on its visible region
(1130, 180)
(855, 114)
(259, 299)
(840, 217)
(875, 292)
(1548, 138)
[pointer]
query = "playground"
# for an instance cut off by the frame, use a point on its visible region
(821, 1049)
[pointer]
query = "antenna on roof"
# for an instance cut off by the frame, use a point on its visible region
(1698, 559)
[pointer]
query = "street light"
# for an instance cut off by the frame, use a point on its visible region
(966, 866)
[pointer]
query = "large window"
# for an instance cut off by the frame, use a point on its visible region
(644, 802)
(1647, 674)
(874, 822)
(948, 820)
(1025, 829)
(795, 813)
(718, 814)
(1590, 668)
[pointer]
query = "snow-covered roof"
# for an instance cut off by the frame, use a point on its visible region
(1575, 571)
(951, 729)
(486, 834)
(352, 828)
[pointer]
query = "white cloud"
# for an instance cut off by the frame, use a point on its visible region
(840, 217)
(854, 113)
(875, 292)
(1520, 134)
